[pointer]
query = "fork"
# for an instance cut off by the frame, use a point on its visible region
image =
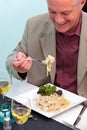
(41, 61)
(28, 59)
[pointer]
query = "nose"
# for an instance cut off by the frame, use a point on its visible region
(59, 19)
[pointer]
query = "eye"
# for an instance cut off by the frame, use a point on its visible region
(52, 12)
(66, 13)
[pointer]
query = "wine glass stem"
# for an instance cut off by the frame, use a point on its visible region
(21, 127)
(3, 96)
(2, 99)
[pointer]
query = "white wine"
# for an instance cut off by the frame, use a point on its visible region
(21, 114)
(4, 87)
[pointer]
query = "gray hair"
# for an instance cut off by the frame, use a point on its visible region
(75, 1)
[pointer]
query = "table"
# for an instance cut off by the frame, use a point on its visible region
(42, 123)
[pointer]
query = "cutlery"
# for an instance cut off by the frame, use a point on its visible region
(41, 61)
(79, 116)
(28, 59)
(77, 119)
(70, 126)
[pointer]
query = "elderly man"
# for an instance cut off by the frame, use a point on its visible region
(62, 34)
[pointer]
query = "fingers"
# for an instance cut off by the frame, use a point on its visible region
(20, 56)
(22, 65)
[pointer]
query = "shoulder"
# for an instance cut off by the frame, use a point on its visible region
(84, 17)
(42, 18)
(84, 26)
(84, 21)
(40, 23)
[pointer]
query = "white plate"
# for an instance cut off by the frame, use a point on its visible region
(73, 98)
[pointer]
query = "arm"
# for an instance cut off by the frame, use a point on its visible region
(20, 67)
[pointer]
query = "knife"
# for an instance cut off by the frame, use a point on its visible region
(70, 126)
(79, 116)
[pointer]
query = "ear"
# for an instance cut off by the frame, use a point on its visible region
(83, 2)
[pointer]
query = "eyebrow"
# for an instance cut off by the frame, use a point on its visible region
(66, 11)
(51, 10)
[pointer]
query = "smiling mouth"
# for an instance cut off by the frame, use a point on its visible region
(62, 24)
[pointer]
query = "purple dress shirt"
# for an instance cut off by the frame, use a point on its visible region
(67, 48)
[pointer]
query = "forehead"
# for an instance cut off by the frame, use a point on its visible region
(61, 4)
(65, 1)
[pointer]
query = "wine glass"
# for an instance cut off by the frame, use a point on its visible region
(5, 83)
(21, 110)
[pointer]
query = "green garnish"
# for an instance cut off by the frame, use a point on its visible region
(46, 90)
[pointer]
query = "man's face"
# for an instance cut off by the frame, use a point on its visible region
(64, 14)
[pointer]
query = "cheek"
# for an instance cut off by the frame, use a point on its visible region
(73, 20)
(70, 19)
(74, 17)
(52, 17)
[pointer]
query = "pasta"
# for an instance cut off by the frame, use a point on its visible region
(48, 62)
(52, 103)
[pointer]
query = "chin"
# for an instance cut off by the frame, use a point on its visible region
(61, 31)
(64, 31)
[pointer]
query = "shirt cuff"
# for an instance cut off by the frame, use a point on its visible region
(22, 75)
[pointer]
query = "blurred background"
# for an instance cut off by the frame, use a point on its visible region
(13, 17)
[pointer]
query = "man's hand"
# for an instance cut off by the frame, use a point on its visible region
(22, 65)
